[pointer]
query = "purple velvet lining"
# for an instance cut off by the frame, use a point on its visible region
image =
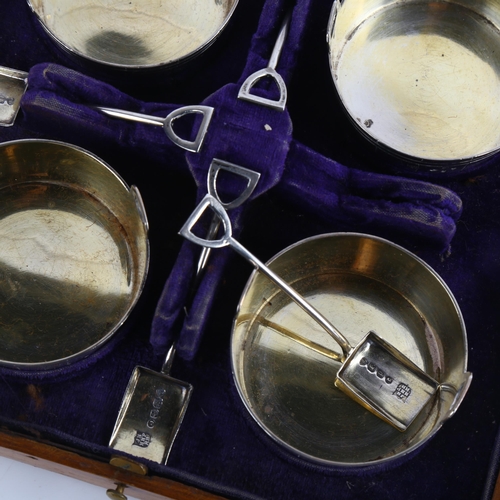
(322, 178)
(252, 136)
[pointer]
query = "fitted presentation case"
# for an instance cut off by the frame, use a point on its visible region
(63, 420)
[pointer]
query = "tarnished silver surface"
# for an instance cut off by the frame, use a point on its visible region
(152, 410)
(134, 34)
(420, 78)
(74, 253)
(360, 283)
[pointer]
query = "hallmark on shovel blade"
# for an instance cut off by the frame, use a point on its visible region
(6, 101)
(402, 391)
(13, 84)
(385, 382)
(142, 439)
(157, 404)
(373, 368)
(151, 413)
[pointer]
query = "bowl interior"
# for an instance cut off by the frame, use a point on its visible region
(74, 254)
(136, 34)
(420, 78)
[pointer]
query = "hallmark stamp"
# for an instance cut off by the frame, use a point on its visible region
(373, 368)
(6, 100)
(142, 439)
(155, 411)
(402, 391)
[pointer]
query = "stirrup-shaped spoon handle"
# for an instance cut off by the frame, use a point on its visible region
(226, 239)
(270, 71)
(193, 146)
(251, 176)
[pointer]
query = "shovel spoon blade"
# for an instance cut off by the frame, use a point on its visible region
(153, 407)
(384, 381)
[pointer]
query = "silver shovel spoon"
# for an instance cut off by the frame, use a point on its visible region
(151, 413)
(373, 373)
(154, 403)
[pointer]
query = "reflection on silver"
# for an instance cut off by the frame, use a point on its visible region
(421, 79)
(134, 34)
(61, 246)
(13, 84)
(74, 253)
(151, 413)
(359, 282)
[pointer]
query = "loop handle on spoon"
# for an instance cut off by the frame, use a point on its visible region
(270, 71)
(252, 178)
(193, 146)
(226, 239)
